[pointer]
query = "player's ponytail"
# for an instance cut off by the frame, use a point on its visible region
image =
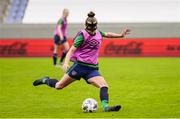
(91, 14)
(91, 23)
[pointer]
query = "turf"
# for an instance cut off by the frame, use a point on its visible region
(145, 87)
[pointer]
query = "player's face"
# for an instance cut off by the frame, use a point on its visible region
(66, 13)
(91, 25)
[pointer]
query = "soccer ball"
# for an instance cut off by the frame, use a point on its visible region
(89, 105)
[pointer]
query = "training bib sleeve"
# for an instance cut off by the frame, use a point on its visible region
(60, 22)
(102, 33)
(78, 41)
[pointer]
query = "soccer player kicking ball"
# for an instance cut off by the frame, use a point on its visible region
(84, 54)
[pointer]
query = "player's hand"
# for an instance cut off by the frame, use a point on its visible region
(125, 32)
(65, 67)
(61, 38)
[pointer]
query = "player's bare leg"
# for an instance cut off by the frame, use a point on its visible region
(65, 81)
(55, 54)
(99, 82)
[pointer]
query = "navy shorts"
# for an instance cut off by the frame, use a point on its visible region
(78, 71)
(58, 41)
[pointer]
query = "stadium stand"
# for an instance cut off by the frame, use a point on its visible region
(12, 11)
(4, 8)
(17, 11)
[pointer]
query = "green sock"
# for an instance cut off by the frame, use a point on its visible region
(104, 104)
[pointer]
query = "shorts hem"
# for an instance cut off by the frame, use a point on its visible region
(72, 77)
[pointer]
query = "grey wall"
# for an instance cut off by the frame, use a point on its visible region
(139, 30)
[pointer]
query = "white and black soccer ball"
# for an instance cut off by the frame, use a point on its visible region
(89, 105)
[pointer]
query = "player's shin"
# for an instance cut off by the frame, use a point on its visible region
(63, 56)
(104, 97)
(47, 81)
(54, 58)
(50, 82)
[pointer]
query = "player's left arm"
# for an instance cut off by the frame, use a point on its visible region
(60, 23)
(116, 35)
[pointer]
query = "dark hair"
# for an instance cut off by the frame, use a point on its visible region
(91, 23)
(91, 14)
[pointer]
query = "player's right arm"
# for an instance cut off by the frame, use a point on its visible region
(68, 56)
(77, 42)
(60, 22)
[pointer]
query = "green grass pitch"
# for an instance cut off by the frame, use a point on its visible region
(145, 87)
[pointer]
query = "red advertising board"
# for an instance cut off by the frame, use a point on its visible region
(152, 47)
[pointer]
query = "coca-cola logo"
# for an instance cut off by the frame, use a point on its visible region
(131, 48)
(173, 48)
(16, 48)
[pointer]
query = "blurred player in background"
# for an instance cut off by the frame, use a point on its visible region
(60, 37)
(84, 54)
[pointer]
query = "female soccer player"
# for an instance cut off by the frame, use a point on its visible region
(84, 54)
(60, 34)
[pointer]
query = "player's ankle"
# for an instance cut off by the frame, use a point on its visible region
(104, 104)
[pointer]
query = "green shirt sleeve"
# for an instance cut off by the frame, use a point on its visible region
(60, 22)
(78, 41)
(102, 33)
